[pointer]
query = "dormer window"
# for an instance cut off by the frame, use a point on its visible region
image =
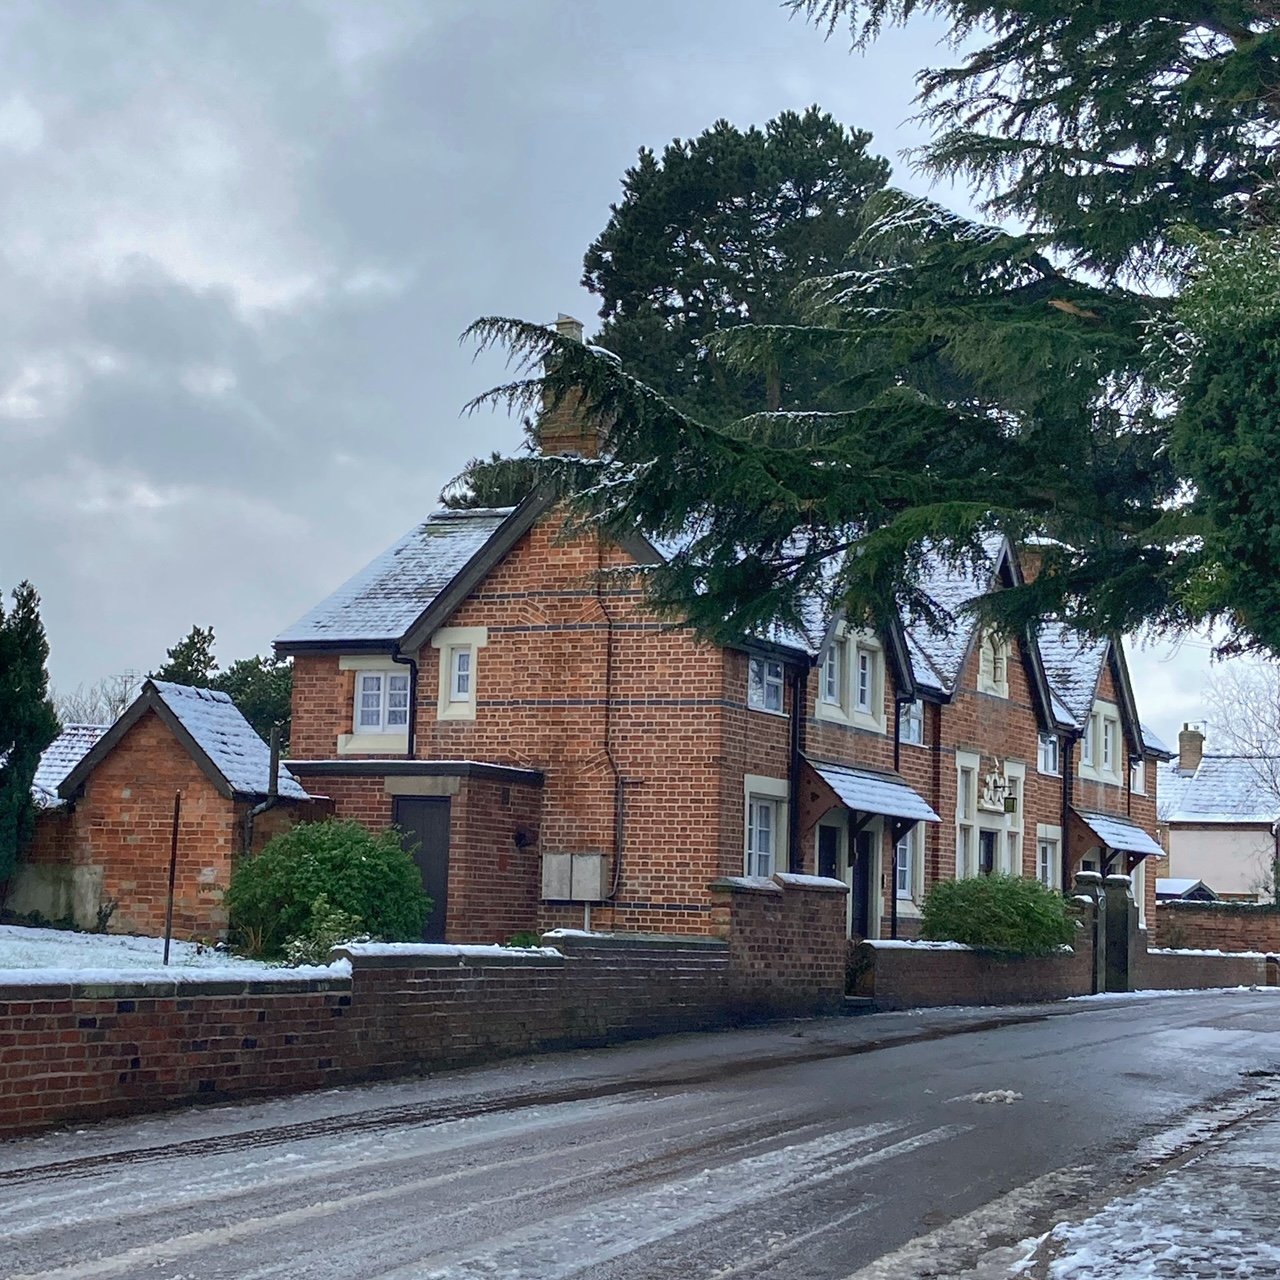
(913, 722)
(833, 673)
(865, 681)
(382, 702)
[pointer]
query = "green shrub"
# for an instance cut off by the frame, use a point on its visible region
(338, 866)
(327, 928)
(998, 913)
(524, 938)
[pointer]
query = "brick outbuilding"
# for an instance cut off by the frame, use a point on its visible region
(107, 795)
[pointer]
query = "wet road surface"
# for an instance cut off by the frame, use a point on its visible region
(808, 1150)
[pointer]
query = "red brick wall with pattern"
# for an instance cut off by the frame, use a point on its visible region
(73, 1053)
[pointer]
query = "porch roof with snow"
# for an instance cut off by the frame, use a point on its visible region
(871, 791)
(1120, 834)
(211, 729)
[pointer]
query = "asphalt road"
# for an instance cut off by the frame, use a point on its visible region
(809, 1150)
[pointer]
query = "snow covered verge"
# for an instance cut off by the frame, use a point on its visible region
(33, 957)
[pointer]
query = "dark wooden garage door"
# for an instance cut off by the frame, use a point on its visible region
(425, 824)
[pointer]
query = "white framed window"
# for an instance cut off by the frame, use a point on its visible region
(908, 871)
(966, 813)
(764, 685)
(382, 702)
(864, 688)
(1050, 759)
(1088, 744)
(460, 663)
(1049, 855)
(833, 673)
(765, 807)
(1108, 745)
(913, 723)
(460, 673)
(1138, 776)
(1047, 862)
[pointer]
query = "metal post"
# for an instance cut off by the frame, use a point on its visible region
(173, 874)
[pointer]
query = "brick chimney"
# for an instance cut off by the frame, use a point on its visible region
(1190, 748)
(566, 428)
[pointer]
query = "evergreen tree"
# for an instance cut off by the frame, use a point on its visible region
(191, 660)
(1105, 126)
(27, 720)
(717, 232)
(495, 481)
(262, 688)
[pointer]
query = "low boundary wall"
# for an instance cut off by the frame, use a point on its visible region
(916, 975)
(79, 1050)
(1218, 926)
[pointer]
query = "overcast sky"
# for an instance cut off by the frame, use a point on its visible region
(239, 241)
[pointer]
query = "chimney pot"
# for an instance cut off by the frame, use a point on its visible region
(1190, 749)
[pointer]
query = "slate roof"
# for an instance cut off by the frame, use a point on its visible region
(209, 725)
(227, 738)
(1072, 665)
(1153, 742)
(938, 654)
(59, 758)
(382, 601)
(1179, 887)
(1223, 790)
(1119, 833)
(870, 791)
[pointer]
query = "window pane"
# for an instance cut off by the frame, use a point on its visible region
(831, 674)
(966, 793)
(370, 701)
(773, 686)
(755, 682)
(461, 685)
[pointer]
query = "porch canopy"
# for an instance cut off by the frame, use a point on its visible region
(870, 791)
(1120, 834)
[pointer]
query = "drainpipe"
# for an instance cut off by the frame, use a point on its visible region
(796, 858)
(897, 764)
(273, 791)
(619, 782)
(1065, 854)
(411, 743)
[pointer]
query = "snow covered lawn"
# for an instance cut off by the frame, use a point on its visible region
(44, 953)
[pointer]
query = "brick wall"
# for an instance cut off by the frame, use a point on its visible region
(921, 974)
(1217, 926)
(75, 1051)
(1186, 970)
(786, 939)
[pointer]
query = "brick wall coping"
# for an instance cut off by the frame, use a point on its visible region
(823, 884)
(69, 986)
(428, 955)
(1191, 951)
(400, 768)
(903, 944)
(745, 884)
(1243, 908)
(176, 975)
(661, 941)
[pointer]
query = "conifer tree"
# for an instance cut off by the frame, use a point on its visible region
(717, 231)
(27, 720)
(191, 660)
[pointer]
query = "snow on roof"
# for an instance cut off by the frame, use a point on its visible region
(867, 791)
(1119, 833)
(59, 758)
(1073, 666)
(951, 587)
(1152, 741)
(227, 738)
(1178, 887)
(383, 600)
(1222, 790)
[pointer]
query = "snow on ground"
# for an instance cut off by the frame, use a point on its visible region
(60, 955)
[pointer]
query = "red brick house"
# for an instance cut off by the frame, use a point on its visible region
(106, 801)
(561, 756)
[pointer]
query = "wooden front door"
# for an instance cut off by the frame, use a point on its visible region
(424, 827)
